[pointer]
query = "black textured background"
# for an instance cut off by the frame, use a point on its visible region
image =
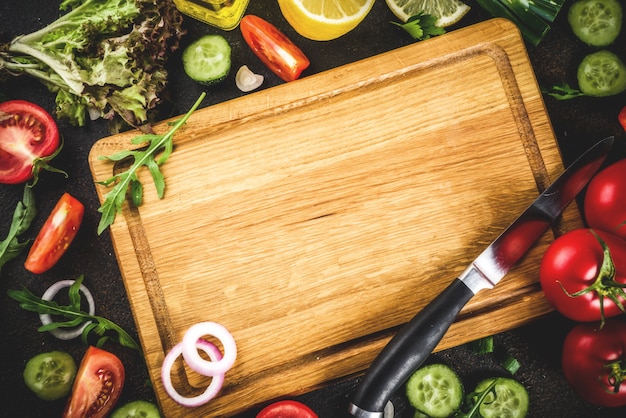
(577, 124)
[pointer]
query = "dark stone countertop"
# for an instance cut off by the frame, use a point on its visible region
(577, 124)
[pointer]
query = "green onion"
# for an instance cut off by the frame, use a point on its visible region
(532, 17)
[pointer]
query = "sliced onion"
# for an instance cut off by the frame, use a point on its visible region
(65, 333)
(197, 363)
(246, 80)
(216, 381)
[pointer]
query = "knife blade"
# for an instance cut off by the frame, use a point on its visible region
(415, 341)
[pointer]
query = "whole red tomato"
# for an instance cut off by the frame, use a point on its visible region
(55, 235)
(582, 272)
(29, 138)
(287, 409)
(272, 47)
(594, 362)
(97, 386)
(605, 200)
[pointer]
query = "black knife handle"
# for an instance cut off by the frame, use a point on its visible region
(407, 350)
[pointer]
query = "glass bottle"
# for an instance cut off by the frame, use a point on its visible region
(224, 14)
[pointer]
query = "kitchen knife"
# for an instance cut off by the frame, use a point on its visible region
(408, 349)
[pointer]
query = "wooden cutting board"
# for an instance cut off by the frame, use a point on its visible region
(314, 218)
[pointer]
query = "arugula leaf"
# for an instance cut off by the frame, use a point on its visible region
(421, 26)
(24, 213)
(563, 92)
(127, 180)
(104, 328)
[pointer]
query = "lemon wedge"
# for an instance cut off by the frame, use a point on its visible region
(448, 12)
(323, 20)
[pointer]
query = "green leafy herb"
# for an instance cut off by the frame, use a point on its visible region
(127, 180)
(23, 215)
(103, 58)
(473, 401)
(563, 92)
(483, 345)
(421, 26)
(103, 328)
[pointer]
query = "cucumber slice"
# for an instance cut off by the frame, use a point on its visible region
(602, 74)
(207, 60)
(435, 390)
(508, 399)
(596, 22)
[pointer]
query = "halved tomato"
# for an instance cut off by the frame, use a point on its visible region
(29, 138)
(55, 235)
(97, 386)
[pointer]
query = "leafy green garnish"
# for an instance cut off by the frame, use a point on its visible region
(562, 92)
(421, 26)
(105, 329)
(473, 401)
(23, 215)
(127, 180)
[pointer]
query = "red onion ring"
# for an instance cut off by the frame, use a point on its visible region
(216, 381)
(50, 293)
(197, 363)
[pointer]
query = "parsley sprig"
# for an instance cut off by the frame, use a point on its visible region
(149, 157)
(421, 26)
(103, 328)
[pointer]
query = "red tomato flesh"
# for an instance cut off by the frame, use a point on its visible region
(287, 409)
(622, 117)
(272, 47)
(27, 132)
(55, 235)
(97, 386)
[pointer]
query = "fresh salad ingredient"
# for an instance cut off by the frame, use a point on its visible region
(103, 58)
(532, 17)
(583, 274)
(98, 385)
(50, 375)
(154, 146)
(324, 20)
(246, 80)
(621, 117)
(447, 12)
(29, 139)
(137, 409)
(506, 398)
(70, 333)
(273, 48)
(212, 389)
(594, 362)
(605, 200)
(596, 22)
(435, 390)
(287, 409)
(23, 215)
(56, 234)
(193, 358)
(601, 74)
(207, 59)
(421, 26)
(105, 329)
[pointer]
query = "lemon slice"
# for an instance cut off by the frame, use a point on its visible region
(447, 12)
(323, 20)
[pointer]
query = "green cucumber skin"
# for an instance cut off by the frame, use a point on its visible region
(207, 60)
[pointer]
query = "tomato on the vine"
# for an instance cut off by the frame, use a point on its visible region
(272, 47)
(55, 235)
(287, 409)
(582, 274)
(594, 362)
(605, 199)
(29, 138)
(97, 386)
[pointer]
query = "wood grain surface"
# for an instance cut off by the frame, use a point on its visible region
(314, 218)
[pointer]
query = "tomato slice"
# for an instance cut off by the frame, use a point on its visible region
(272, 47)
(287, 409)
(55, 235)
(97, 386)
(27, 133)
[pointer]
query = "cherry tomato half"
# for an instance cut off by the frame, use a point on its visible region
(56, 234)
(287, 409)
(97, 386)
(27, 133)
(272, 47)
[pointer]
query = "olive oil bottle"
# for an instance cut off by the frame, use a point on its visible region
(224, 14)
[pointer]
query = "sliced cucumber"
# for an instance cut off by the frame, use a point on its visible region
(207, 60)
(508, 399)
(602, 74)
(435, 390)
(596, 22)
